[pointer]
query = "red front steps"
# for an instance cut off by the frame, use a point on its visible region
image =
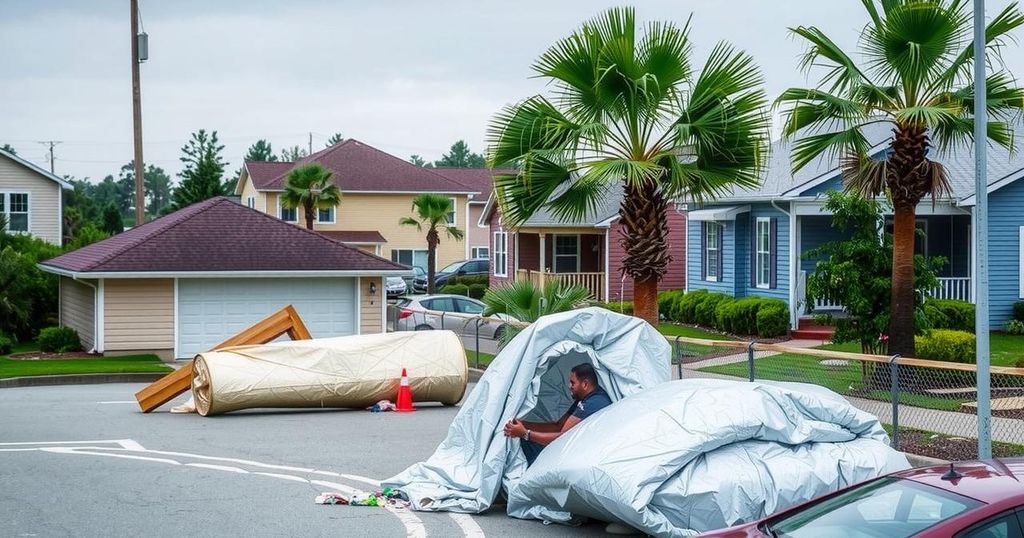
(808, 329)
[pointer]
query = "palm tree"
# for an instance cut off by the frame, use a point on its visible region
(629, 112)
(916, 77)
(524, 301)
(310, 187)
(432, 211)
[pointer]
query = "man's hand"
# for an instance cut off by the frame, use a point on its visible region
(515, 428)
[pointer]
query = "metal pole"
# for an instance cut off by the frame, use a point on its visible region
(981, 235)
(750, 361)
(894, 380)
(140, 200)
(477, 323)
(679, 357)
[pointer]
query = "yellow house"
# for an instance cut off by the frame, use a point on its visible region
(377, 191)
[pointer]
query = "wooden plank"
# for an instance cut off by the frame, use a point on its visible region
(284, 321)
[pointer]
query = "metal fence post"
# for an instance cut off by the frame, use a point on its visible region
(679, 357)
(477, 323)
(750, 361)
(442, 320)
(894, 376)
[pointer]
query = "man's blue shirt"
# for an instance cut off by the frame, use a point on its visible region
(594, 402)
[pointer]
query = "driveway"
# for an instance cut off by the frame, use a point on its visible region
(83, 461)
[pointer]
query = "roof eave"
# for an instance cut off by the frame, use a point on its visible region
(48, 175)
(222, 274)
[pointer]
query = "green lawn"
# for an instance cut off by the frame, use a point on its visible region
(107, 365)
(485, 358)
(1007, 350)
(671, 329)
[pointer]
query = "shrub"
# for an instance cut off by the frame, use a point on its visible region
(470, 280)
(1018, 311)
(59, 340)
(772, 320)
(477, 291)
(704, 312)
(949, 314)
(622, 307)
(946, 345)
(667, 304)
(456, 289)
(686, 306)
(5, 345)
(740, 316)
(1014, 327)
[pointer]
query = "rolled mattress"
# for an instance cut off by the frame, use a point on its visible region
(347, 371)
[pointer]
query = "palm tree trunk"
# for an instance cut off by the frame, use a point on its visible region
(309, 216)
(644, 232)
(432, 241)
(901, 322)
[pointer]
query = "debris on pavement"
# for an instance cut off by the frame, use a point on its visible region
(381, 406)
(330, 497)
(385, 498)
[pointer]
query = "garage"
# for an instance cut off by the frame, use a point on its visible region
(212, 310)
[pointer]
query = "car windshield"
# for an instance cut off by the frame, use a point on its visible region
(887, 507)
(418, 271)
(451, 268)
(395, 280)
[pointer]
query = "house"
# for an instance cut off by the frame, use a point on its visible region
(377, 190)
(481, 180)
(182, 283)
(31, 199)
(752, 242)
(586, 253)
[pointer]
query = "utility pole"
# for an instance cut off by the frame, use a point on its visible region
(51, 143)
(981, 236)
(310, 143)
(140, 199)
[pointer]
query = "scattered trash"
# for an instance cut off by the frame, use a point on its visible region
(330, 497)
(381, 406)
(388, 497)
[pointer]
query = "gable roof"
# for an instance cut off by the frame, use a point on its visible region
(64, 184)
(357, 167)
(606, 210)
(479, 179)
(219, 236)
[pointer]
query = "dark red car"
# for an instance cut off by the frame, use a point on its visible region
(982, 499)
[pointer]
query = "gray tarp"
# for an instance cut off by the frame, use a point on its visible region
(528, 379)
(700, 454)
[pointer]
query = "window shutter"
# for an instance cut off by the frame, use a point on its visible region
(721, 253)
(703, 250)
(773, 243)
(753, 251)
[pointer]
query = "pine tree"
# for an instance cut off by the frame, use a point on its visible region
(204, 168)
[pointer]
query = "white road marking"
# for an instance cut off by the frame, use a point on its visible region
(413, 525)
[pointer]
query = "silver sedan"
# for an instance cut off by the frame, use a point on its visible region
(453, 312)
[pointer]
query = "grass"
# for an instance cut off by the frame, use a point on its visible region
(485, 358)
(671, 329)
(1007, 350)
(132, 364)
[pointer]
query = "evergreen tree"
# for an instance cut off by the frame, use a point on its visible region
(112, 221)
(260, 151)
(293, 154)
(459, 156)
(156, 185)
(418, 161)
(204, 168)
(336, 138)
(8, 149)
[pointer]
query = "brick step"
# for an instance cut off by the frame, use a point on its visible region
(812, 325)
(823, 334)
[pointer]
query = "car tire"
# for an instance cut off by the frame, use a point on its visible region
(499, 333)
(424, 327)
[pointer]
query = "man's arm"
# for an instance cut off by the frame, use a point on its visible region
(549, 427)
(546, 438)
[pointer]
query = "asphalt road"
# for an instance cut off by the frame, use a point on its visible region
(83, 461)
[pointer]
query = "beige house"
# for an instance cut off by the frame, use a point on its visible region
(31, 199)
(478, 236)
(377, 191)
(187, 281)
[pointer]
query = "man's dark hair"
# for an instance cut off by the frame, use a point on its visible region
(585, 372)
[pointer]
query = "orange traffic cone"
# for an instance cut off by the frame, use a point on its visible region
(403, 403)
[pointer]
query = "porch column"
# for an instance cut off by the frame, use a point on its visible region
(794, 269)
(543, 261)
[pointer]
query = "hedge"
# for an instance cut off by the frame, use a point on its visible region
(772, 320)
(1018, 310)
(1014, 327)
(5, 345)
(477, 291)
(622, 307)
(456, 289)
(59, 340)
(949, 314)
(667, 303)
(946, 345)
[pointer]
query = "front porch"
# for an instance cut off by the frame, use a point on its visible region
(574, 257)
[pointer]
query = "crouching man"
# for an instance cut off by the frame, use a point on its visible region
(589, 398)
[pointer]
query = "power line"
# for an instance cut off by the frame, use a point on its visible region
(51, 143)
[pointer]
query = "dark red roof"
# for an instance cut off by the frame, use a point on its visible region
(358, 167)
(263, 172)
(479, 179)
(358, 236)
(219, 235)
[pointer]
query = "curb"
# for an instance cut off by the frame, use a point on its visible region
(77, 379)
(474, 374)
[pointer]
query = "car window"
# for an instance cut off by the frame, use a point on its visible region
(1001, 526)
(479, 267)
(451, 268)
(884, 507)
(403, 302)
(469, 307)
(443, 304)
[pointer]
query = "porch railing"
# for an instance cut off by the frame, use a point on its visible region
(592, 281)
(953, 288)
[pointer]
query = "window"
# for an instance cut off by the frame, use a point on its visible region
(325, 216)
(451, 216)
(469, 307)
(763, 256)
(412, 258)
(711, 252)
(480, 252)
(287, 214)
(1001, 526)
(567, 253)
(500, 254)
(444, 304)
(15, 206)
(250, 202)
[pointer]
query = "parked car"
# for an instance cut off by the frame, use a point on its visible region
(452, 312)
(395, 286)
(476, 267)
(979, 499)
(417, 280)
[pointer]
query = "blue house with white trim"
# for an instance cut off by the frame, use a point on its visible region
(751, 242)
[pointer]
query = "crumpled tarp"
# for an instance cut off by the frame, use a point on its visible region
(529, 380)
(695, 455)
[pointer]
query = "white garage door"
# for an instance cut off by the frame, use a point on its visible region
(212, 310)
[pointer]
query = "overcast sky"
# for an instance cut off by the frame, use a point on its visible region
(409, 77)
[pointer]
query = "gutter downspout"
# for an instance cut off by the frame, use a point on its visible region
(793, 317)
(95, 312)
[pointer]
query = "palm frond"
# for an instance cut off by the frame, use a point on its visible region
(850, 141)
(531, 125)
(521, 195)
(409, 221)
(813, 107)
(841, 71)
(960, 69)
